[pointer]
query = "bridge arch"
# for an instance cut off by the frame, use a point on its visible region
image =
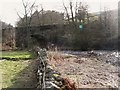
(39, 40)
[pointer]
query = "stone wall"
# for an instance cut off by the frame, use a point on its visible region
(47, 77)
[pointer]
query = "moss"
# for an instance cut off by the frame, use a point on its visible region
(17, 54)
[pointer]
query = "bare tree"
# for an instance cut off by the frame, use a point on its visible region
(71, 9)
(67, 14)
(78, 13)
(42, 11)
(105, 21)
(29, 9)
(40, 16)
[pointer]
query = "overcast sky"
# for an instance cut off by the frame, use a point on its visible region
(8, 8)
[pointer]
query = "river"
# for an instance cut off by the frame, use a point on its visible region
(111, 57)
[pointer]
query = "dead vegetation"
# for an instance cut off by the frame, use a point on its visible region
(86, 72)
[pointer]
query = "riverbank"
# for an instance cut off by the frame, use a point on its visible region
(87, 71)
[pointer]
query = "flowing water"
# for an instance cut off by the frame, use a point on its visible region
(111, 57)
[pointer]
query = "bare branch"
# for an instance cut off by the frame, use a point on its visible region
(20, 18)
(71, 9)
(67, 13)
(31, 12)
(76, 9)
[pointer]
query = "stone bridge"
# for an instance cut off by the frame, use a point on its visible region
(40, 34)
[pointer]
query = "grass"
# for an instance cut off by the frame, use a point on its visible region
(17, 74)
(17, 54)
(9, 70)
